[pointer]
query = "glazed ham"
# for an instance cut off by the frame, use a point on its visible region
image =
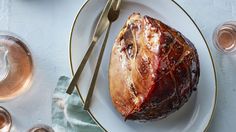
(153, 69)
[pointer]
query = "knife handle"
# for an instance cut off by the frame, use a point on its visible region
(94, 79)
(76, 77)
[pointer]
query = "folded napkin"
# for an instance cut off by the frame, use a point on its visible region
(67, 111)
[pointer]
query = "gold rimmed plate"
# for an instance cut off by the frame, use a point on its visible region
(195, 115)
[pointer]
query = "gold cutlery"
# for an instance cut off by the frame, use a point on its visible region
(113, 14)
(100, 28)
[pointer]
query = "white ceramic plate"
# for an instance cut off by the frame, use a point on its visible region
(195, 115)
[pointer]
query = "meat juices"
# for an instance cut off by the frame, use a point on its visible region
(153, 69)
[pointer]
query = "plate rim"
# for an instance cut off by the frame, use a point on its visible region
(209, 51)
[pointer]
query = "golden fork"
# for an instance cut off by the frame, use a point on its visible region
(113, 14)
(100, 28)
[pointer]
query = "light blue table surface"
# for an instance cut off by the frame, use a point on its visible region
(45, 25)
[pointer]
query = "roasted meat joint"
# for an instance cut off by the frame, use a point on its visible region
(153, 69)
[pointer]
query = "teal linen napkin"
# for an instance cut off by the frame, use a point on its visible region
(67, 111)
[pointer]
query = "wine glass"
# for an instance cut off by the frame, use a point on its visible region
(5, 120)
(41, 128)
(16, 66)
(224, 37)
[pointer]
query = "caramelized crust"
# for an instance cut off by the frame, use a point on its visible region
(153, 69)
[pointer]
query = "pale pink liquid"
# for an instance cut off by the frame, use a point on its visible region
(20, 68)
(225, 37)
(5, 120)
(2, 121)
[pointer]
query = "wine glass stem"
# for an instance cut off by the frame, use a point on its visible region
(4, 65)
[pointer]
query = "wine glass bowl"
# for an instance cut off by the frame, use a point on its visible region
(16, 66)
(224, 37)
(5, 120)
(41, 128)
(4, 66)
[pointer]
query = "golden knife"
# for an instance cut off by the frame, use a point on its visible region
(100, 28)
(113, 15)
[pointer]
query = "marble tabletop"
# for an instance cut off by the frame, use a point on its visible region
(45, 25)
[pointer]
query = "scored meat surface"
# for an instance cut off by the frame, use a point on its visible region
(153, 69)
